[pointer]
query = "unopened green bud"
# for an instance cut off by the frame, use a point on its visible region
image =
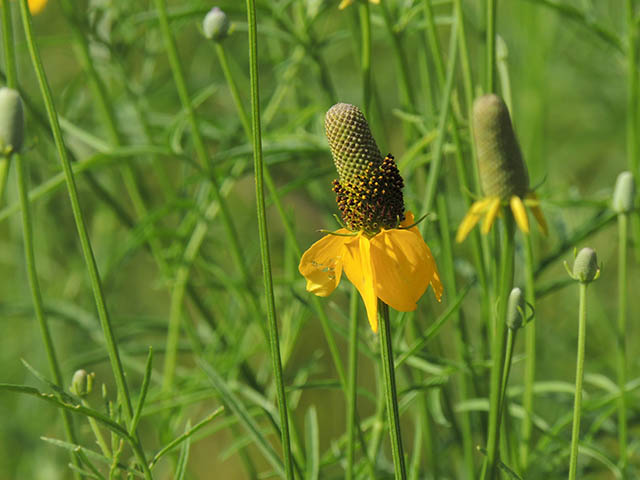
(624, 193)
(515, 309)
(352, 145)
(11, 121)
(585, 266)
(81, 383)
(502, 171)
(215, 24)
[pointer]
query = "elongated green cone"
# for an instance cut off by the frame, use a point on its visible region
(502, 171)
(11, 121)
(369, 189)
(352, 145)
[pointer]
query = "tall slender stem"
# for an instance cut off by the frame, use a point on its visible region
(352, 383)
(530, 356)
(365, 56)
(12, 81)
(621, 351)
(498, 350)
(388, 370)
(632, 89)
(92, 267)
(491, 45)
(577, 404)
(274, 343)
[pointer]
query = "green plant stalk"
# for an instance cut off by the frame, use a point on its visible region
(233, 88)
(530, 355)
(508, 358)
(352, 383)
(632, 88)
(201, 154)
(577, 404)
(621, 351)
(498, 349)
(36, 296)
(12, 81)
(365, 55)
(460, 340)
(92, 267)
(274, 346)
(388, 371)
(491, 45)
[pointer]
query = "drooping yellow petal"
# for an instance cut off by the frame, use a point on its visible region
(435, 283)
(346, 3)
(36, 6)
(519, 213)
(321, 264)
(471, 218)
(492, 212)
(357, 266)
(402, 266)
(533, 203)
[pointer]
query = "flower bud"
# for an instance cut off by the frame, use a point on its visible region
(352, 145)
(81, 383)
(502, 171)
(515, 309)
(624, 193)
(11, 121)
(585, 266)
(215, 24)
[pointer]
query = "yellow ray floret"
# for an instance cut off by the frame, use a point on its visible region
(36, 6)
(346, 3)
(395, 266)
(491, 207)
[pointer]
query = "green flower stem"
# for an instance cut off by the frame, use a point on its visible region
(461, 336)
(12, 81)
(388, 371)
(498, 350)
(365, 55)
(632, 88)
(577, 404)
(352, 383)
(530, 355)
(491, 45)
(92, 267)
(264, 239)
(233, 88)
(201, 154)
(508, 357)
(36, 295)
(621, 351)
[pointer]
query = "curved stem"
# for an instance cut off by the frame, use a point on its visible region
(274, 343)
(92, 267)
(577, 404)
(621, 351)
(388, 371)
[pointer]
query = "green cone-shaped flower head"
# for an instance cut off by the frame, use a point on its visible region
(11, 121)
(502, 171)
(369, 188)
(624, 193)
(585, 266)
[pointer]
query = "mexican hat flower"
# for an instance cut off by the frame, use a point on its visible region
(380, 249)
(503, 174)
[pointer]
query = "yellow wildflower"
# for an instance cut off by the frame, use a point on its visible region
(503, 174)
(381, 250)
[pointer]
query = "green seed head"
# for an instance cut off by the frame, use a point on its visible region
(81, 383)
(585, 266)
(624, 193)
(215, 24)
(515, 309)
(369, 189)
(11, 121)
(502, 171)
(352, 145)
